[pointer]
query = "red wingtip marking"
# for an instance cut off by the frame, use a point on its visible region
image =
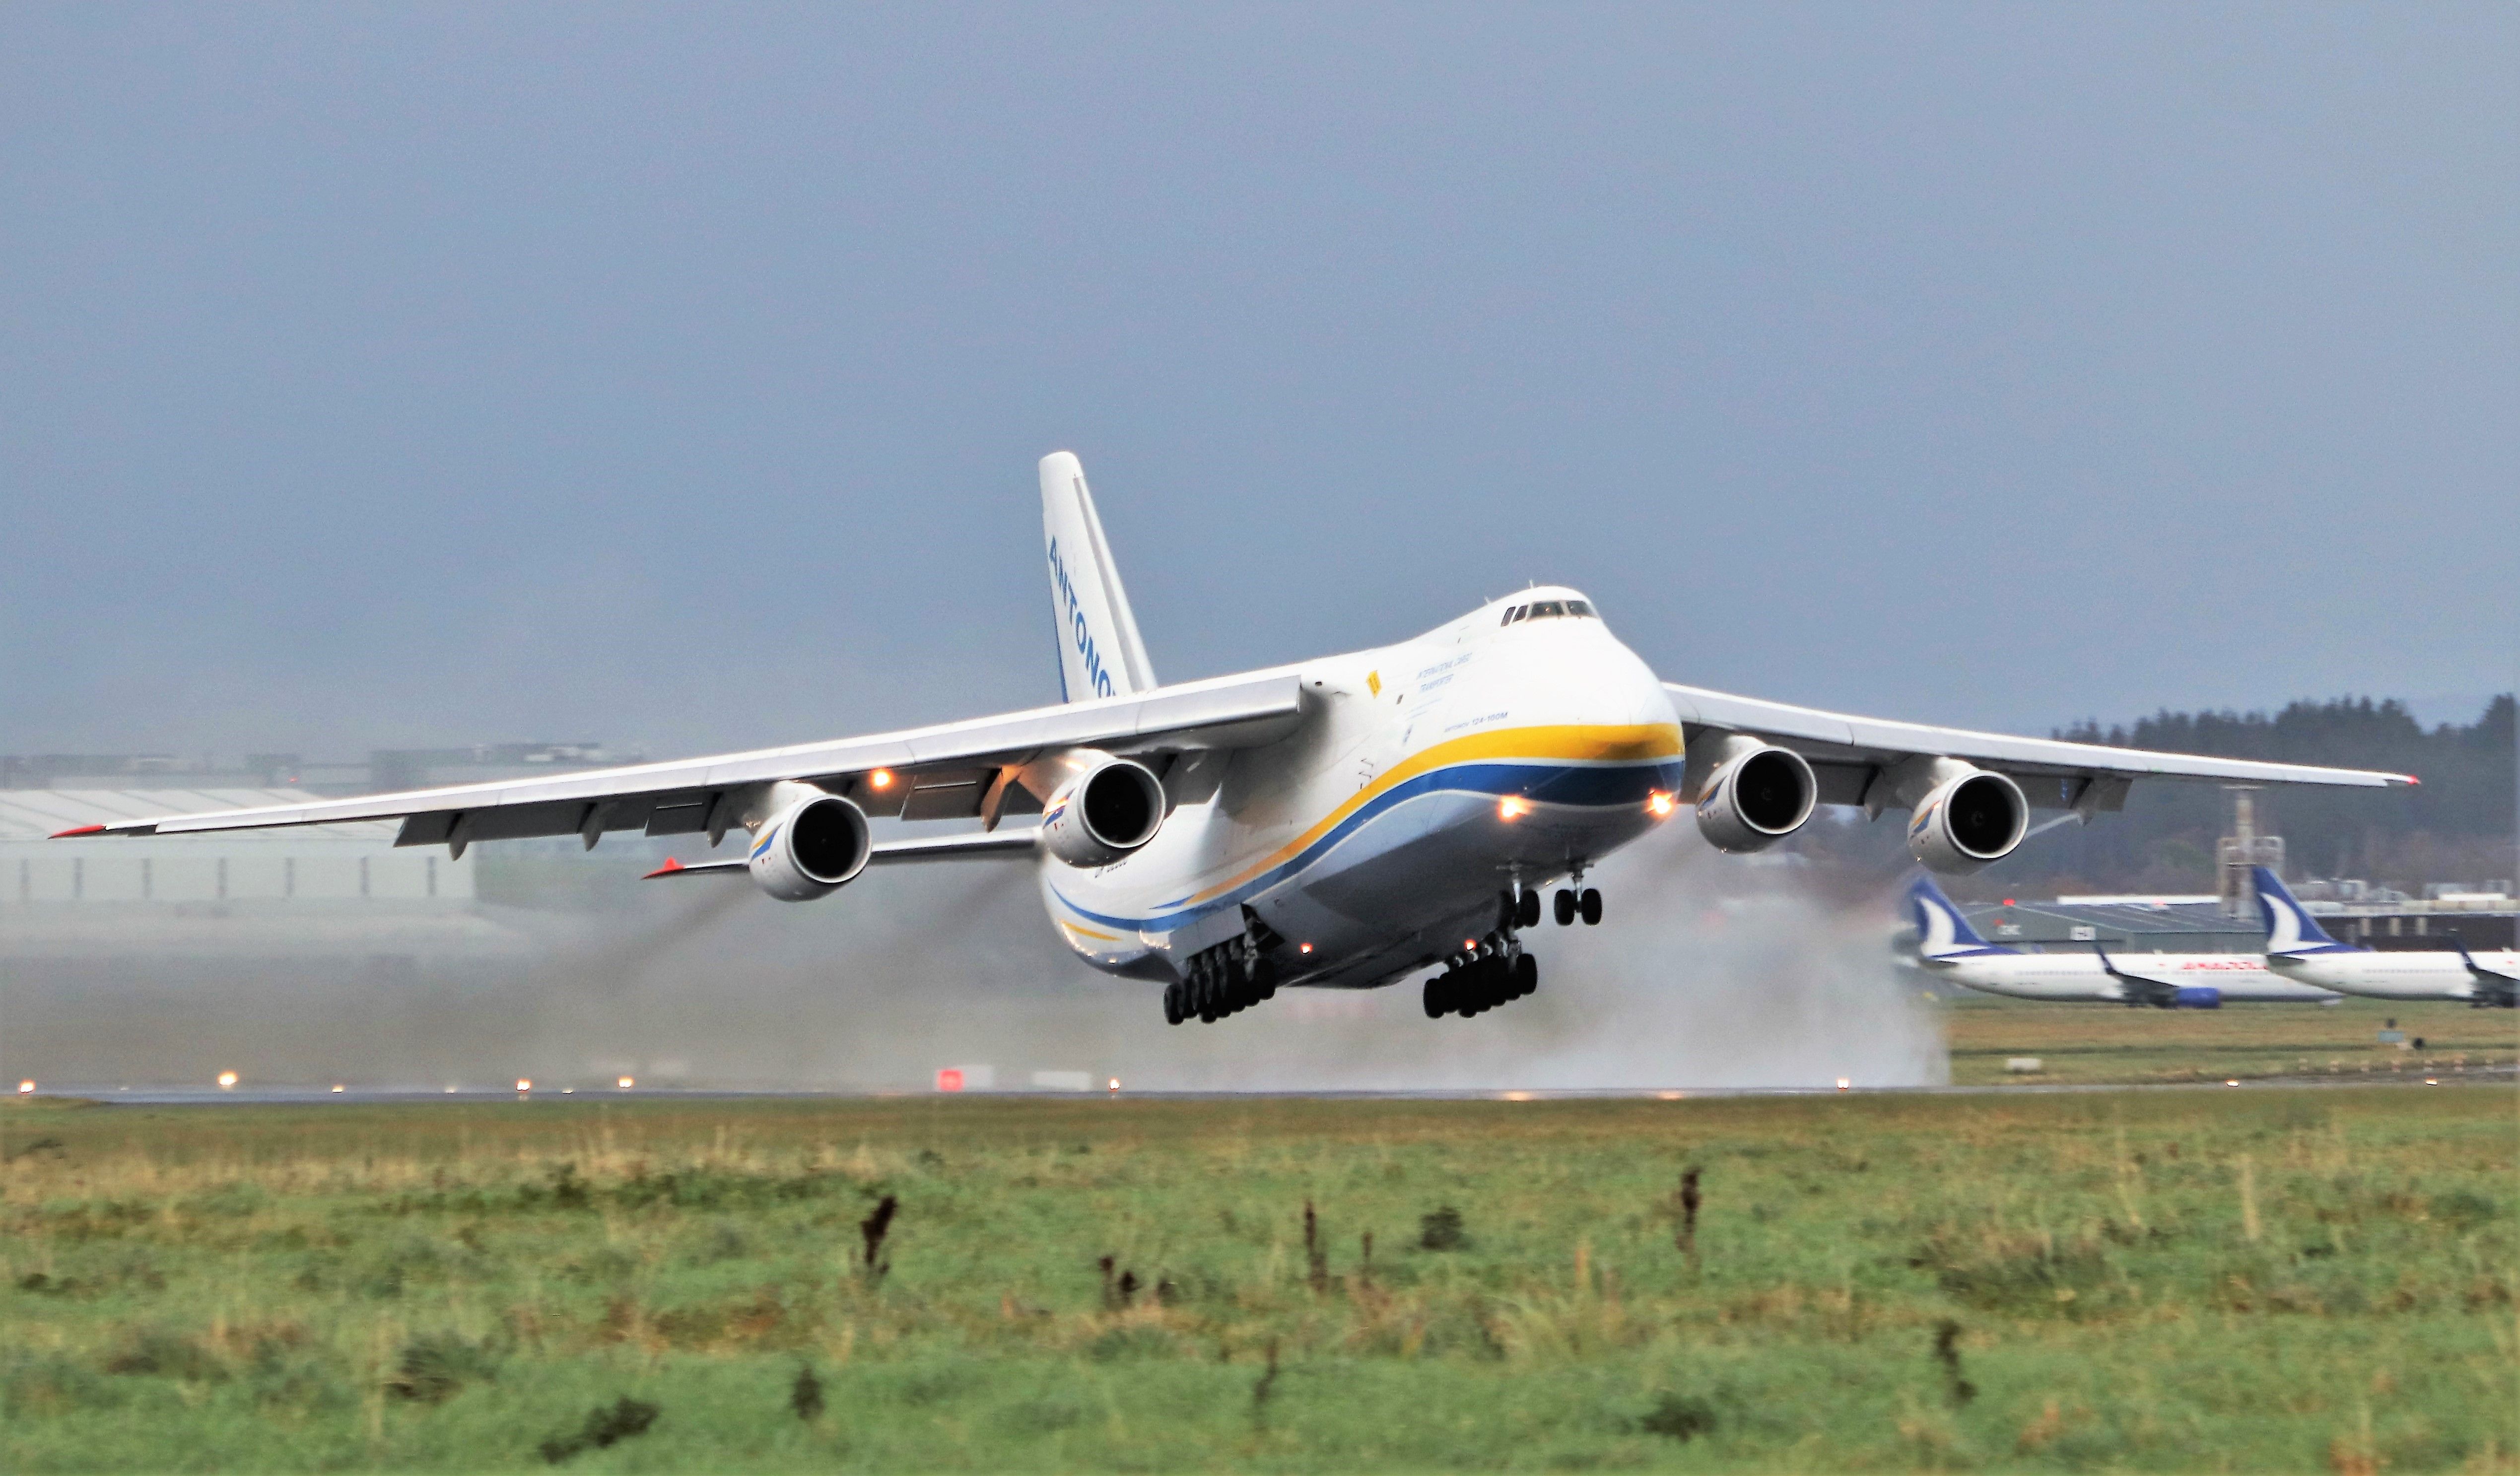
(80, 831)
(670, 866)
(2410, 779)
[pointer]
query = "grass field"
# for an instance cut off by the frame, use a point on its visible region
(2086, 1044)
(2272, 1279)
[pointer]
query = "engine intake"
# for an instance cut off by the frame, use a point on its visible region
(811, 849)
(1756, 798)
(1968, 822)
(1103, 814)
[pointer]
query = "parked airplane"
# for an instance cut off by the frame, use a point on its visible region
(1950, 947)
(2298, 948)
(1336, 822)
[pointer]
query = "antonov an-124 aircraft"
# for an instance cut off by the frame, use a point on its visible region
(1343, 822)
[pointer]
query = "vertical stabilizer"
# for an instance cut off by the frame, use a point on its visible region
(2290, 928)
(1099, 652)
(1943, 931)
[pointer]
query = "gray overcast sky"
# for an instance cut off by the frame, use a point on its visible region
(674, 377)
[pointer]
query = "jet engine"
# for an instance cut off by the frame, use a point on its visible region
(811, 849)
(1102, 813)
(1755, 798)
(1969, 821)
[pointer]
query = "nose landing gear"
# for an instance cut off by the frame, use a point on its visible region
(1586, 904)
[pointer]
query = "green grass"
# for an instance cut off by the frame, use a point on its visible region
(2092, 1044)
(2263, 1280)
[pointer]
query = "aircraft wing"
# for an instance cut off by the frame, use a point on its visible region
(1850, 755)
(944, 772)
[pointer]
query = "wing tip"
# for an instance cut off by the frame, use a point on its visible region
(77, 831)
(670, 866)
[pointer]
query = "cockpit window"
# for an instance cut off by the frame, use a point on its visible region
(1579, 608)
(1510, 614)
(1543, 609)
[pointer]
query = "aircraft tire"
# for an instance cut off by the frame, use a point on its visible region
(1172, 1004)
(1433, 998)
(1591, 903)
(1565, 908)
(1527, 913)
(1526, 975)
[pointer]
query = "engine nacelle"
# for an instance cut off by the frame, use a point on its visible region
(1969, 821)
(811, 849)
(1110, 810)
(1755, 798)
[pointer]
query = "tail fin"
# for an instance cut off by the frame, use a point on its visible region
(2290, 928)
(1942, 931)
(1100, 653)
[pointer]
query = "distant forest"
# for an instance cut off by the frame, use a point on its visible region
(2458, 825)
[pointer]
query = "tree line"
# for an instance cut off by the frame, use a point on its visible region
(2457, 825)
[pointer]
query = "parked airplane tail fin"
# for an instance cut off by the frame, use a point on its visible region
(1943, 931)
(1099, 652)
(2290, 928)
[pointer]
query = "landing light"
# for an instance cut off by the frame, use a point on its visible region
(227, 1080)
(338, 1087)
(25, 1089)
(1513, 807)
(525, 1084)
(1659, 804)
(881, 779)
(1303, 948)
(1115, 1086)
(626, 1083)
(1844, 1084)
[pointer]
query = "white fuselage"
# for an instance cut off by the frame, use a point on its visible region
(2239, 978)
(1425, 779)
(2397, 975)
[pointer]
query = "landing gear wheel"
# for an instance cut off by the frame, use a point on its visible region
(1526, 975)
(1565, 908)
(1435, 998)
(1526, 913)
(1591, 906)
(1172, 1004)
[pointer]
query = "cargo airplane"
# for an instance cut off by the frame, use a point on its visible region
(2299, 949)
(1342, 822)
(1948, 947)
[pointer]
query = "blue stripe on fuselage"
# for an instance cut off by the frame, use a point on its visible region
(1568, 784)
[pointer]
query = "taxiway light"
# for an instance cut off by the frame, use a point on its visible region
(881, 779)
(1670, 1096)
(1844, 1084)
(626, 1083)
(1511, 807)
(338, 1087)
(525, 1084)
(1659, 804)
(25, 1089)
(2231, 1083)
(227, 1080)
(1115, 1086)
(2432, 1081)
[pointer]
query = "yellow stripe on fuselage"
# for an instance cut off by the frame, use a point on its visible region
(1568, 742)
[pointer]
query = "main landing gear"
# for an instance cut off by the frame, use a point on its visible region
(1496, 972)
(1227, 979)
